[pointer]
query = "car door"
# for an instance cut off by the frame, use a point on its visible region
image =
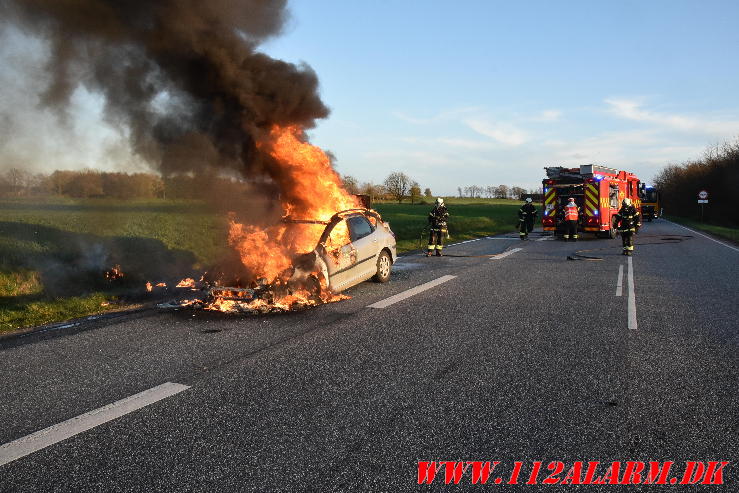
(365, 242)
(341, 255)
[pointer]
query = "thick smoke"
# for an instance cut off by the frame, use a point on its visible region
(182, 78)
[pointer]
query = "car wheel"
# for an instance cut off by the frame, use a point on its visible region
(384, 264)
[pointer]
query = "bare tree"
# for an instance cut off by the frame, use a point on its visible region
(397, 185)
(350, 183)
(501, 192)
(415, 192)
(18, 180)
(372, 190)
(427, 193)
(517, 192)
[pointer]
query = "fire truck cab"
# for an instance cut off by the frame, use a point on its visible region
(597, 190)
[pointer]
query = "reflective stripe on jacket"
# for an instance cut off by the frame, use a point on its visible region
(571, 212)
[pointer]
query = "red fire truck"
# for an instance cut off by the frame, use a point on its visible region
(597, 190)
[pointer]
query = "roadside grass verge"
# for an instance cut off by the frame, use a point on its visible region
(725, 232)
(54, 253)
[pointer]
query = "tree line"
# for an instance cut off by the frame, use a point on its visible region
(16, 182)
(89, 183)
(717, 172)
(398, 187)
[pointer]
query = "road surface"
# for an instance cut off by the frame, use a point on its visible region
(510, 355)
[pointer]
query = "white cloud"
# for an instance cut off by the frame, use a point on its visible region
(452, 114)
(547, 116)
(505, 133)
(634, 110)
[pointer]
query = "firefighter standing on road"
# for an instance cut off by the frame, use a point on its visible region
(627, 222)
(571, 215)
(526, 216)
(437, 226)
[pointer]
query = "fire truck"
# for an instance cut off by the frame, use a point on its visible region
(651, 207)
(597, 190)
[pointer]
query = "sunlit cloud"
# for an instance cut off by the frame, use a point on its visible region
(634, 110)
(505, 133)
(442, 116)
(547, 116)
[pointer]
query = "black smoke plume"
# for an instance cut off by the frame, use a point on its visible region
(182, 78)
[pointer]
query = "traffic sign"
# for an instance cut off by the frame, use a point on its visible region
(702, 201)
(703, 195)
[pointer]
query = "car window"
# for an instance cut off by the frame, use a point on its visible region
(359, 227)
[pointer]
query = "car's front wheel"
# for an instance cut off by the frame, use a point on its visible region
(384, 264)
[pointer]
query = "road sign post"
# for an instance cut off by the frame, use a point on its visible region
(702, 199)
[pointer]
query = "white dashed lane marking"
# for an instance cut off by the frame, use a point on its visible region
(67, 429)
(505, 254)
(410, 292)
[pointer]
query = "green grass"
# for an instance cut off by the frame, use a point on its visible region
(725, 232)
(479, 217)
(54, 252)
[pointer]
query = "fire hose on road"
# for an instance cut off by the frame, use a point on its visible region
(665, 240)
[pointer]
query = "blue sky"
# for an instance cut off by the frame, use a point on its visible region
(465, 92)
(489, 92)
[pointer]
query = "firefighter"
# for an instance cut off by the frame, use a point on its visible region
(437, 226)
(627, 222)
(526, 216)
(571, 216)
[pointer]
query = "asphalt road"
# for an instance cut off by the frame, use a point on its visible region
(528, 356)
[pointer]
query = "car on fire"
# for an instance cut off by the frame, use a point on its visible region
(356, 245)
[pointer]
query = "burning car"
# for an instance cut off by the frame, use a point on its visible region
(353, 246)
(369, 252)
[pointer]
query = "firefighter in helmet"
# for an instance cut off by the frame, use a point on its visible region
(526, 216)
(437, 226)
(571, 217)
(627, 222)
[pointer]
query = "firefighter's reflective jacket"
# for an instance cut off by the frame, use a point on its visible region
(571, 212)
(627, 220)
(527, 212)
(438, 217)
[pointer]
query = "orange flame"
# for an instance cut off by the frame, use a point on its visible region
(114, 273)
(311, 190)
(186, 283)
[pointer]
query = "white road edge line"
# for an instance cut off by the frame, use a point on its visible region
(704, 236)
(505, 254)
(620, 280)
(632, 298)
(84, 422)
(410, 292)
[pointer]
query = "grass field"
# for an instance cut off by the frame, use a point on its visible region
(477, 217)
(53, 253)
